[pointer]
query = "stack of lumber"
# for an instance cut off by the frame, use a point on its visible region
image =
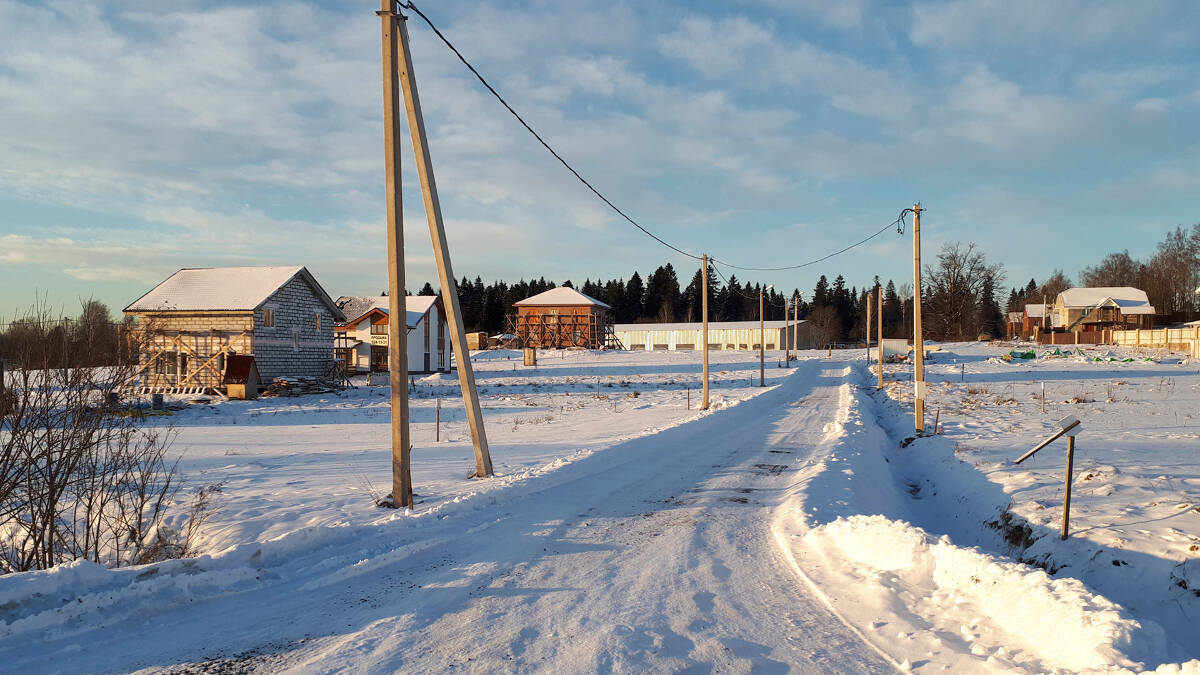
(299, 386)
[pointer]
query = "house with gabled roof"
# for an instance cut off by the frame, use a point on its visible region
(563, 317)
(195, 319)
(361, 341)
(1078, 310)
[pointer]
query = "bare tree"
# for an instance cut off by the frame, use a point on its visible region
(955, 292)
(1055, 284)
(825, 325)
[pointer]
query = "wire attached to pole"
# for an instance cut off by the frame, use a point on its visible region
(899, 222)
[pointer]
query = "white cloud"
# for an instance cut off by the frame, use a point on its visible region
(970, 24)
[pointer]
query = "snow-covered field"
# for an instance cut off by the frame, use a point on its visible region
(784, 529)
(291, 463)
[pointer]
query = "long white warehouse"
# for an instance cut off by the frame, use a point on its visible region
(721, 335)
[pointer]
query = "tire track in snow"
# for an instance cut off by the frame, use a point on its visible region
(656, 554)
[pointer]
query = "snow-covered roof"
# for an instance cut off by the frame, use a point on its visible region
(1035, 311)
(696, 325)
(355, 306)
(561, 296)
(1130, 300)
(416, 306)
(210, 289)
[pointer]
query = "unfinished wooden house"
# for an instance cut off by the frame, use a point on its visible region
(192, 322)
(562, 317)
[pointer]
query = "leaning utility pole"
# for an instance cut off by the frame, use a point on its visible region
(918, 339)
(397, 325)
(704, 322)
(441, 254)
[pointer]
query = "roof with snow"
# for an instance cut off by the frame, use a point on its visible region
(214, 289)
(354, 306)
(1035, 311)
(563, 296)
(1130, 300)
(416, 306)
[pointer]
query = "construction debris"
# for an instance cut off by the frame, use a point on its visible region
(301, 386)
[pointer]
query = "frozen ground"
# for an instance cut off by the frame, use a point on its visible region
(784, 530)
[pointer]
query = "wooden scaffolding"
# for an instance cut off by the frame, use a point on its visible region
(563, 327)
(186, 362)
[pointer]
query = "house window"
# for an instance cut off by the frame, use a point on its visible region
(379, 329)
(295, 339)
(268, 320)
(165, 363)
(318, 321)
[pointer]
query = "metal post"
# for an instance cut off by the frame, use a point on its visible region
(918, 339)
(441, 254)
(704, 323)
(437, 422)
(1043, 398)
(397, 328)
(1067, 490)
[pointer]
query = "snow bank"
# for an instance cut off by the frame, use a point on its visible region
(921, 599)
(1016, 615)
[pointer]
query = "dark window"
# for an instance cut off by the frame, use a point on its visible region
(165, 363)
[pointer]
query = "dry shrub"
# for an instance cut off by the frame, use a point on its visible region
(79, 479)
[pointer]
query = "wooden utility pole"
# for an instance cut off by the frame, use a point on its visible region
(870, 297)
(704, 323)
(879, 329)
(796, 326)
(918, 339)
(397, 325)
(787, 332)
(441, 254)
(762, 343)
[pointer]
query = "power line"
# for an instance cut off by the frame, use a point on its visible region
(546, 145)
(899, 222)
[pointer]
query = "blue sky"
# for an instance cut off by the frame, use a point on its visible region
(137, 138)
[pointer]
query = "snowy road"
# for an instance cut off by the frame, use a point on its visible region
(656, 554)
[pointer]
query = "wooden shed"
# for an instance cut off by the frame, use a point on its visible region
(242, 380)
(562, 317)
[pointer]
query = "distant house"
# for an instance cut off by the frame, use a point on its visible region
(1079, 310)
(1034, 318)
(362, 340)
(562, 317)
(197, 318)
(721, 335)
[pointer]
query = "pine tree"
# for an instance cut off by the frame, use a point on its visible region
(820, 295)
